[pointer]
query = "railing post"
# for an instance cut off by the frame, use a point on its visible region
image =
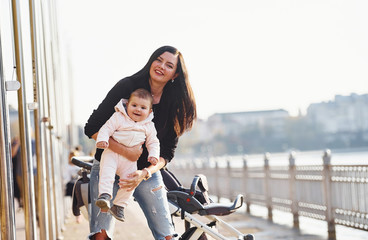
(327, 193)
(267, 185)
(245, 183)
(192, 167)
(228, 169)
(293, 196)
(218, 193)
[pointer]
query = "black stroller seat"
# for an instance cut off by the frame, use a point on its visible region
(190, 204)
(197, 201)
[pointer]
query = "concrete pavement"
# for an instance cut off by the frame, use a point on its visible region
(136, 227)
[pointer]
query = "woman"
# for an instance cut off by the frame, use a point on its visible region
(165, 76)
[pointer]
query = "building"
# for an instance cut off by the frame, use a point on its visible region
(232, 123)
(345, 114)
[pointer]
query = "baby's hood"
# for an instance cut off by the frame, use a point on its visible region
(121, 107)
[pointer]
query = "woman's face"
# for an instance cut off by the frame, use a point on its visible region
(163, 69)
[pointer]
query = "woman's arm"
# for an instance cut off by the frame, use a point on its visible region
(131, 153)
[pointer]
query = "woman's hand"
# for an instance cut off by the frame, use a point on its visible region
(135, 178)
(132, 180)
(131, 153)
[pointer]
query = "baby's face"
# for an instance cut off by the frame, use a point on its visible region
(138, 109)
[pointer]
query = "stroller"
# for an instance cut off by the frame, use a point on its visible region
(183, 202)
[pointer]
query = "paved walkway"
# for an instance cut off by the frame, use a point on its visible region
(136, 227)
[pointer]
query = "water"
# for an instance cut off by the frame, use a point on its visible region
(338, 157)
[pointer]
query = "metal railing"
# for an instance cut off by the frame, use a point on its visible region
(337, 194)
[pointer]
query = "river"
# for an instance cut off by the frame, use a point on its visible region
(338, 157)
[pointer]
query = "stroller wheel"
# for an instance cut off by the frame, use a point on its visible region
(249, 237)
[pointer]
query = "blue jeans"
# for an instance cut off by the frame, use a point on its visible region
(152, 198)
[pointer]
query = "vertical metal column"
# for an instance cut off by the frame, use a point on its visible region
(24, 127)
(72, 131)
(54, 122)
(41, 163)
(48, 151)
(6, 189)
(59, 120)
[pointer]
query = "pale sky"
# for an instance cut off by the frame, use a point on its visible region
(241, 55)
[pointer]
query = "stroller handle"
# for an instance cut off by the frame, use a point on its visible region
(83, 162)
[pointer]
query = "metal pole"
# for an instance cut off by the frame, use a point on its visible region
(55, 123)
(45, 147)
(60, 120)
(41, 173)
(6, 189)
(73, 132)
(24, 127)
(47, 133)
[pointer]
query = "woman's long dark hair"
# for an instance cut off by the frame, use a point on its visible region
(180, 91)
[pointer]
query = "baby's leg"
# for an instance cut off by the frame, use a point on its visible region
(108, 167)
(124, 168)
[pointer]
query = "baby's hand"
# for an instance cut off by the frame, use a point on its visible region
(152, 160)
(102, 144)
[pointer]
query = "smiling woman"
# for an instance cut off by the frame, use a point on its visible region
(162, 70)
(174, 109)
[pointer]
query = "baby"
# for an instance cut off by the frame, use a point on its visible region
(130, 125)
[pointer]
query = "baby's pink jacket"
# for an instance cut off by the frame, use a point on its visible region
(130, 133)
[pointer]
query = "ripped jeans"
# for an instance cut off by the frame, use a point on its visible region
(152, 198)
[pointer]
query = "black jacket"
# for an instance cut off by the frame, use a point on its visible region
(163, 117)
